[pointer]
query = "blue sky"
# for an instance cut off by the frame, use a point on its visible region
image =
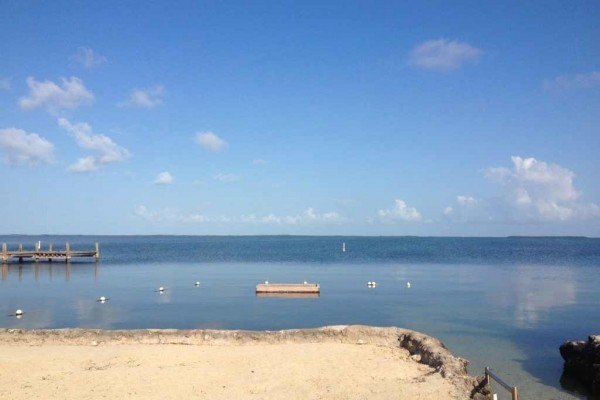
(461, 118)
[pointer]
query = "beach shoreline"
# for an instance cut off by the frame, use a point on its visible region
(332, 362)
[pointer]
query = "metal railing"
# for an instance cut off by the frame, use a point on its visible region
(512, 389)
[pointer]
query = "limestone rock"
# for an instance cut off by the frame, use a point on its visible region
(582, 361)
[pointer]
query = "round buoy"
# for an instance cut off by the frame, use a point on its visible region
(102, 298)
(306, 283)
(408, 284)
(266, 282)
(197, 283)
(18, 313)
(161, 289)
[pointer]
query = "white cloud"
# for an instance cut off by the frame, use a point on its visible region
(466, 208)
(578, 81)
(5, 84)
(466, 200)
(107, 150)
(54, 98)
(163, 178)
(22, 148)
(210, 141)
(226, 178)
(400, 212)
(142, 212)
(145, 98)
(310, 216)
(536, 190)
(87, 57)
(259, 161)
(443, 54)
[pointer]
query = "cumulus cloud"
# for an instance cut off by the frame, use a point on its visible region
(22, 148)
(107, 150)
(400, 212)
(145, 98)
(443, 55)
(163, 178)
(578, 81)
(226, 178)
(210, 141)
(87, 58)
(71, 94)
(536, 190)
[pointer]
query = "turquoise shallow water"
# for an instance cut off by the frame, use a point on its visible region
(503, 302)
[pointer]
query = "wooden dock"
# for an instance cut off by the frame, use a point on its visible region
(288, 288)
(39, 254)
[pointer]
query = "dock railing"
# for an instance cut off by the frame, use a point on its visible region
(489, 375)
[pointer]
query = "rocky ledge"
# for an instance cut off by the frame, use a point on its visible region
(422, 348)
(582, 361)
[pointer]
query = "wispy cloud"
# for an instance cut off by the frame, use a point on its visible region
(259, 161)
(578, 81)
(443, 55)
(307, 217)
(22, 148)
(163, 178)
(145, 98)
(210, 141)
(310, 216)
(5, 84)
(107, 150)
(226, 178)
(87, 58)
(70, 95)
(465, 209)
(401, 212)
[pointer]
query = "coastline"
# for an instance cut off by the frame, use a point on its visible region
(331, 362)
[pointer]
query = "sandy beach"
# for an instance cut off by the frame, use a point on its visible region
(328, 363)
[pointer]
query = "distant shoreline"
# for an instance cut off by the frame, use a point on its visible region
(302, 236)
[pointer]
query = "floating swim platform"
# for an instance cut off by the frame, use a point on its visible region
(289, 295)
(288, 288)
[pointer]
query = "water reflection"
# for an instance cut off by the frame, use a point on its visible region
(533, 291)
(22, 271)
(92, 313)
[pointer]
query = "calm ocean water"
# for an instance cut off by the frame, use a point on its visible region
(504, 302)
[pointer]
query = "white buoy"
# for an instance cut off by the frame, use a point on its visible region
(343, 247)
(18, 313)
(266, 282)
(197, 283)
(102, 298)
(408, 285)
(306, 283)
(161, 289)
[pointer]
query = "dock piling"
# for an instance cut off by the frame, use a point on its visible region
(4, 253)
